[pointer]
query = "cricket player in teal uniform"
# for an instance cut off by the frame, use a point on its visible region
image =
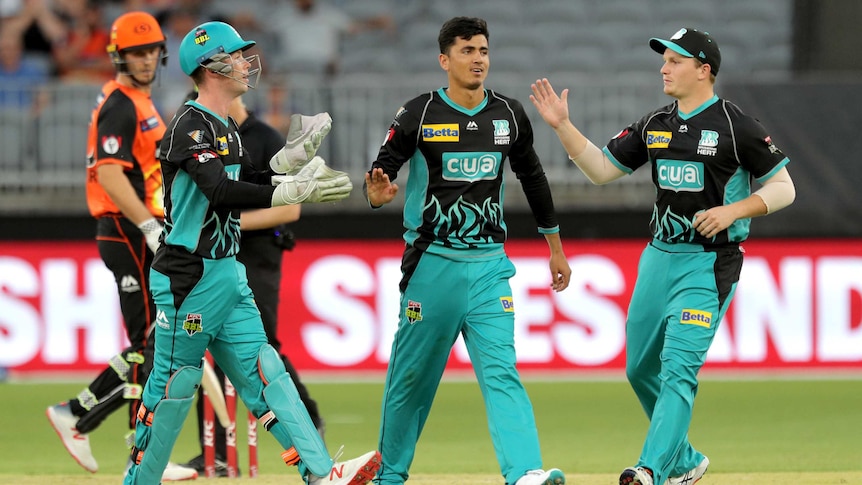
(201, 292)
(704, 153)
(455, 270)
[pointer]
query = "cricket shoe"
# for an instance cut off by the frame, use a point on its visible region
(692, 476)
(541, 477)
(197, 464)
(636, 476)
(304, 137)
(77, 444)
(175, 472)
(357, 471)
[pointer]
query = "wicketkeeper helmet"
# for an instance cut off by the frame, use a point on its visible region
(208, 40)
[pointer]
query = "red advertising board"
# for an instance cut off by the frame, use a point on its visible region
(798, 306)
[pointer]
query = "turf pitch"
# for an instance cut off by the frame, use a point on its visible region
(754, 431)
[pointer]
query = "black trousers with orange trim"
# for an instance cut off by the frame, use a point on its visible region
(124, 251)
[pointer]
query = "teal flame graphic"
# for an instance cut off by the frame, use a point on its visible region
(463, 224)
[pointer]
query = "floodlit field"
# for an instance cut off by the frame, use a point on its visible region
(755, 432)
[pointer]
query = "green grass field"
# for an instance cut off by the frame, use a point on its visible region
(764, 432)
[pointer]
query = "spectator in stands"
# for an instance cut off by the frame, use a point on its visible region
(81, 56)
(39, 25)
(705, 152)
(20, 77)
(308, 36)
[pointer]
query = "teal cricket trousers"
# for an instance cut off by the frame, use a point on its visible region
(442, 299)
(197, 307)
(681, 294)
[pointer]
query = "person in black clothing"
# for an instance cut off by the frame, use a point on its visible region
(265, 236)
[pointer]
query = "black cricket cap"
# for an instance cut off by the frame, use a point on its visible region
(691, 43)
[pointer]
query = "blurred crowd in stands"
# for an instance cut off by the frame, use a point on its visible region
(45, 41)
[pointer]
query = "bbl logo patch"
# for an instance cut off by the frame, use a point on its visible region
(508, 304)
(695, 317)
(193, 323)
(413, 312)
(201, 37)
(771, 145)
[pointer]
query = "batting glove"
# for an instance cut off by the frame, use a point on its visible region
(315, 182)
(152, 229)
(304, 137)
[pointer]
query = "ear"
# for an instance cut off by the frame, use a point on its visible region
(444, 62)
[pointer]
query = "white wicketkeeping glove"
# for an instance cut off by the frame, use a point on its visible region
(304, 137)
(315, 182)
(152, 229)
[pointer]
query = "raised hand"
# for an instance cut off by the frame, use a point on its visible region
(553, 109)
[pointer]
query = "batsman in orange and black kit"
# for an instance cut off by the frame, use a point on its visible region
(124, 194)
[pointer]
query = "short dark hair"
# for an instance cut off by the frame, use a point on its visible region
(461, 28)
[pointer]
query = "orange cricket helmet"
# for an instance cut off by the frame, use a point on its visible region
(135, 30)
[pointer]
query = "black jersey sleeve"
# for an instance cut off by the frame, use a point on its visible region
(194, 151)
(756, 150)
(528, 168)
(401, 137)
(117, 125)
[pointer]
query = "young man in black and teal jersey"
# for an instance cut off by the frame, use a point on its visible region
(455, 271)
(203, 300)
(704, 153)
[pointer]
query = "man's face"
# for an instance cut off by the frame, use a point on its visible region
(239, 75)
(467, 62)
(142, 64)
(681, 74)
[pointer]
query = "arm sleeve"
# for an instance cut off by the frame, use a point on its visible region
(778, 191)
(211, 178)
(400, 142)
(528, 168)
(199, 158)
(115, 132)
